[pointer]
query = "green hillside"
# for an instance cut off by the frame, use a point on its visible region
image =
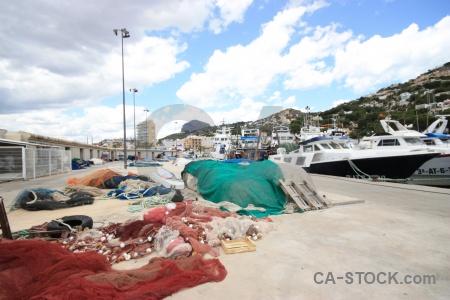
(424, 97)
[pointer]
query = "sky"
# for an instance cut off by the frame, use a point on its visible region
(61, 63)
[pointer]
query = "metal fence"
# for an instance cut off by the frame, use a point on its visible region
(29, 163)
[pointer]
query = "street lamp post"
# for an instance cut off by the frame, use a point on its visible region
(146, 134)
(125, 34)
(176, 140)
(134, 125)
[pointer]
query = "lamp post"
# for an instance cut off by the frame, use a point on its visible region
(125, 34)
(176, 140)
(146, 134)
(134, 125)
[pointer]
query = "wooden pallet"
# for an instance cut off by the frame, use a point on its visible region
(303, 194)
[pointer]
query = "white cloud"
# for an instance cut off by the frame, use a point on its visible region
(69, 56)
(306, 66)
(339, 102)
(230, 11)
(248, 110)
(290, 100)
(275, 97)
(149, 61)
(245, 70)
(378, 61)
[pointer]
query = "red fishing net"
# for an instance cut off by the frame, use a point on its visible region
(79, 266)
(33, 269)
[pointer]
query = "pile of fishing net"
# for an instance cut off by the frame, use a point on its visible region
(105, 178)
(254, 185)
(177, 236)
(33, 269)
(171, 231)
(48, 199)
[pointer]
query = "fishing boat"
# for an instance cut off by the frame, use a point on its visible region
(222, 143)
(434, 172)
(281, 135)
(250, 138)
(336, 156)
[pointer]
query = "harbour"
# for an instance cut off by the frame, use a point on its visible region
(371, 227)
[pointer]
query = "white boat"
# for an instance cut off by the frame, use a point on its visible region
(331, 155)
(435, 172)
(309, 131)
(312, 128)
(250, 138)
(167, 179)
(281, 135)
(222, 143)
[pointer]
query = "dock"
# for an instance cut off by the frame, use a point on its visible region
(377, 240)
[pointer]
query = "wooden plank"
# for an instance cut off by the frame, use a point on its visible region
(4, 224)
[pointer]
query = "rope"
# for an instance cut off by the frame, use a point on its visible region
(358, 171)
(65, 224)
(35, 198)
(430, 179)
(149, 202)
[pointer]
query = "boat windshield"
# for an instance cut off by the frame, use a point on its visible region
(346, 146)
(430, 142)
(325, 146)
(389, 142)
(413, 141)
(335, 145)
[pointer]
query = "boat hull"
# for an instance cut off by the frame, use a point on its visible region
(435, 172)
(393, 167)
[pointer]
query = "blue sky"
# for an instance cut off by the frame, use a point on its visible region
(60, 69)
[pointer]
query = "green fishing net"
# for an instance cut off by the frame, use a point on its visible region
(252, 185)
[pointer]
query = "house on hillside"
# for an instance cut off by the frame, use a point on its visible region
(403, 103)
(405, 96)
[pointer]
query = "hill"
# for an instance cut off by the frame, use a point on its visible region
(193, 125)
(413, 102)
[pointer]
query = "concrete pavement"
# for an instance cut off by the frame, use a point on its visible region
(370, 250)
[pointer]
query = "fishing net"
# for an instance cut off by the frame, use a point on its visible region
(47, 199)
(254, 185)
(204, 227)
(34, 269)
(289, 147)
(95, 179)
(93, 191)
(105, 178)
(78, 266)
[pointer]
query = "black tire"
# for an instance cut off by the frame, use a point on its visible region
(80, 198)
(72, 221)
